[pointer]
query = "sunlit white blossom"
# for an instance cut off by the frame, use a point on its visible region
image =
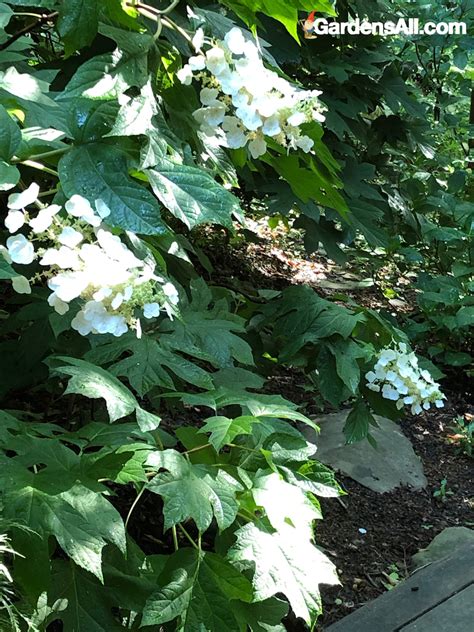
(70, 237)
(151, 310)
(198, 39)
(185, 75)
(398, 378)
(196, 63)
(171, 293)
(235, 41)
(57, 304)
(257, 147)
(80, 207)
(244, 101)
(87, 267)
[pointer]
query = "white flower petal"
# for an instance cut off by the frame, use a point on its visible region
(14, 221)
(20, 250)
(235, 41)
(70, 237)
(18, 201)
(151, 310)
(257, 147)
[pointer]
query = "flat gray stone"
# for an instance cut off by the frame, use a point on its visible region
(392, 464)
(444, 544)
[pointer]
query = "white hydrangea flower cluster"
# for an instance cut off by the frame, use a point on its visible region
(243, 101)
(84, 260)
(398, 377)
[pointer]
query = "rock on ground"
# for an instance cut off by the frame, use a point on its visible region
(444, 544)
(392, 464)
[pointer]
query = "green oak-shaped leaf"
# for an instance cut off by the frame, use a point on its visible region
(262, 616)
(224, 430)
(150, 363)
(93, 382)
(192, 195)
(6, 271)
(193, 491)
(285, 504)
(198, 587)
(51, 515)
(314, 477)
(284, 564)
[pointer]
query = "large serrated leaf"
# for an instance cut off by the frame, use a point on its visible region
(6, 271)
(95, 383)
(192, 195)
(51, 515)
(9, 176)
(285, 504)
(98, 171)
(106, 76)
(193, 491)
(284, 564)
(224, 430)
(198, 587)
(150, 363)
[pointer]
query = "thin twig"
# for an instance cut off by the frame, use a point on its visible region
(28, 29)
(147, 7)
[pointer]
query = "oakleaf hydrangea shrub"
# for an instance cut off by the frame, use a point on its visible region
(397, 377)
(81, 258)
(233, 544)
(243, 101)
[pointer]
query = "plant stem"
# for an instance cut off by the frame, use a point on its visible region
(201, 447)
(243, 447)
(242, 515)
(28, 15)
(148, 8)
(38, 165)
(175, 538)
(168, 22)
(186, 534)
(135, 503)
(46, 154)
(46, 193)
